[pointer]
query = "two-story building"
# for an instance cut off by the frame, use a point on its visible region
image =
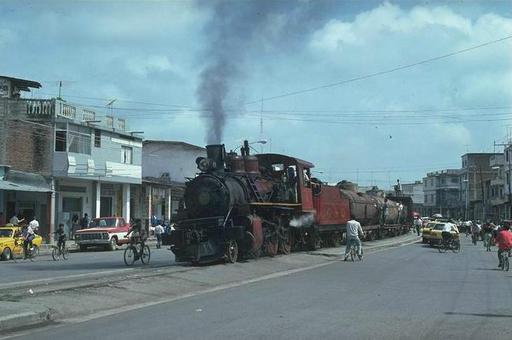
(415, 191)
(92, 164)
(166, 166)
(442, 193)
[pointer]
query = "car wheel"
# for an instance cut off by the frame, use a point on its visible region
(113, 244)
(6, 254)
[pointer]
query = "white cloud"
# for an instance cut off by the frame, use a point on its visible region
(142, 66)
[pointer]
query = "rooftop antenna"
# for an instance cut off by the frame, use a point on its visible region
(60, 84)
(110, 105)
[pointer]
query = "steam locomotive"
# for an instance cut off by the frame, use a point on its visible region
(246, 205)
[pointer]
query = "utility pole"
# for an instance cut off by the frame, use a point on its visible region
(506, 151)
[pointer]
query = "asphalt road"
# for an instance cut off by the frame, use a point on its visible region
(43, 267)
(411, 292)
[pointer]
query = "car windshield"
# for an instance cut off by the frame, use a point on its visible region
(103, 223)
(439, 227)
(5, 233)
(431, 225)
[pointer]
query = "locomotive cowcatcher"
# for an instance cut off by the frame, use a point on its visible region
(243, 205)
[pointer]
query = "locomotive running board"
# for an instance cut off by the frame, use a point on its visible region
(291, 205)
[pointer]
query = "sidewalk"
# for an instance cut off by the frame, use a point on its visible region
(16, 315)
(46, 248)
(370, 246)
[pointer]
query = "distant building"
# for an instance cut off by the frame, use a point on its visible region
(415, 191)
(441, 190)
(167, 165)
(475, 173)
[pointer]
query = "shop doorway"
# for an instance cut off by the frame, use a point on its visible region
(71, 214)
(105, 206)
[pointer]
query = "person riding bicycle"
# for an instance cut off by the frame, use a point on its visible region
(353, 231)
(504, 241)
(138, 234)
(28, 237)
(487, 230)
(475, 232)
(61, 237)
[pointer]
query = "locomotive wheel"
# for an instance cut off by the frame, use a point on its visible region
(271, 247)
(285, 242)
(231, 251)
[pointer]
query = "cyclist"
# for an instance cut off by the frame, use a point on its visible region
(61, 237)
(487, 229)
(137, 232)
(475, 231)
(29, 236)
(504, 241)
(353, 231)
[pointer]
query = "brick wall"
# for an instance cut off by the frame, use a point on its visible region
(25, 145)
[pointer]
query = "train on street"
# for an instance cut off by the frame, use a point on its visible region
(243, 205)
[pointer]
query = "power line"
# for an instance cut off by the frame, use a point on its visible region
(371, 75)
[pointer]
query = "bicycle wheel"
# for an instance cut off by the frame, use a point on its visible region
(442, 247)
(506, 263)
(353, 254)
(146, 254)
(129, 255)
(455, 247)
(55, 254)
(65, 253)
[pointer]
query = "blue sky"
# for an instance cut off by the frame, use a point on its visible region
(154, 57)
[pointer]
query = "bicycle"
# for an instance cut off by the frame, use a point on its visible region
(505, 264)
(57, 252)
(353, 253)
(28, 253)
(487, 241)
(448, 243)
(136, 250)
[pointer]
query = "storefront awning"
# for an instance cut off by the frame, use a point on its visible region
(23, 181)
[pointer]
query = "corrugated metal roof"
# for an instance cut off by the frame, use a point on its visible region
(24, 181)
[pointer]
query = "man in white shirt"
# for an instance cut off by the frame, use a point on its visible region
(34, 224)
(353, 231)
(418, 223)
(159, 230)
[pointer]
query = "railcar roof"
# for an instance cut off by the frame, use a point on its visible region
(275, 157)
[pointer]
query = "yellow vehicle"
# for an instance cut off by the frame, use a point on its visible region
(425, 231)
(11, 242)
(436, 229)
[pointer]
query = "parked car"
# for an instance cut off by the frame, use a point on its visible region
(11, 242)
(107, 232)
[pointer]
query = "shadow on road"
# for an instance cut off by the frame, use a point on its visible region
(484, 315)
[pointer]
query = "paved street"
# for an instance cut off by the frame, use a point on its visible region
(408, 292)
(43, 267)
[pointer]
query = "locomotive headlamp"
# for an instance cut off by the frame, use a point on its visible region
(205, 164)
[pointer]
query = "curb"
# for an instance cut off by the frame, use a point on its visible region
(398, 243)
(15, 315)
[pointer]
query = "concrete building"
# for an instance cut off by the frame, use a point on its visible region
(166, 166)
(92, 164)
(442, 193)
(496, 190)
(415, 191)
(476, 171)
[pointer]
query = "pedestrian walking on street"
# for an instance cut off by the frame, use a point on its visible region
(353, 231)
(84, 223)
(159, 230)
(417, 224)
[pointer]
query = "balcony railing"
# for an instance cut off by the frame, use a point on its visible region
(39, 108)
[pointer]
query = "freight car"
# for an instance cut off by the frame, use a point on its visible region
(245, 205)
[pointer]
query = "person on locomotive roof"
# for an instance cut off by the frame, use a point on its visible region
(353, 231)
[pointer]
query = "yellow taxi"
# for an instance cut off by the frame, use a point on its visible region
(11, 242)
(436, 229)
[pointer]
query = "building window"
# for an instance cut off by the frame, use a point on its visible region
(126, 154)
(455, 180)
(97, 138)
(79, 139)
(61, 140)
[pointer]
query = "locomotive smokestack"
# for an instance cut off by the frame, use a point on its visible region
(217, 153)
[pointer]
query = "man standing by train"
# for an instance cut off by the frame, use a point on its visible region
(353, 231)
